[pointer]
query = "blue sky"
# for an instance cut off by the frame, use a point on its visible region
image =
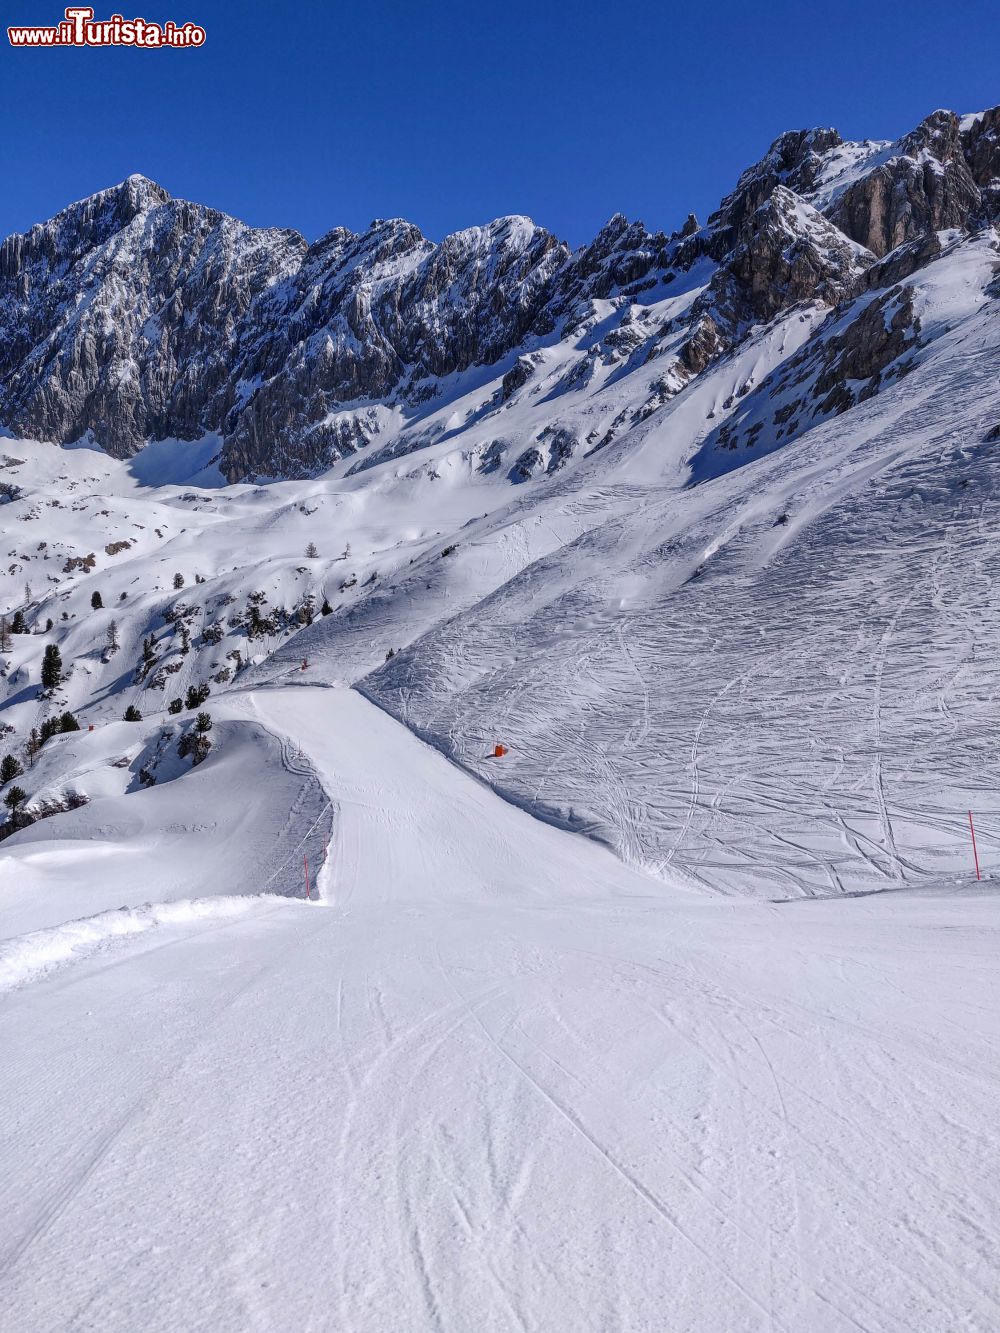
(452, 113)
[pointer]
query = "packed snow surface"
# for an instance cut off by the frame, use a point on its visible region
(494, 1079)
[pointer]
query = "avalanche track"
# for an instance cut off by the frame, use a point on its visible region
(497, 1080)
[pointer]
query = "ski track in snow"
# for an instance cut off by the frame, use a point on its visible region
(502, 1081)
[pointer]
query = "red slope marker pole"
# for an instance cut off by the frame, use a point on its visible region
(972, 830)
(305, 865)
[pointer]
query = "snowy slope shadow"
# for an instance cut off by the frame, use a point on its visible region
(239, 823)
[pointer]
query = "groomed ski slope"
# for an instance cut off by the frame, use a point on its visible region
(497, 1080)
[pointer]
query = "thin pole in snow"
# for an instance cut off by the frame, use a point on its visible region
(305, 864)
(972, 830)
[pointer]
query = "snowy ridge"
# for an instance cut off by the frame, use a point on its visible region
(29, 957)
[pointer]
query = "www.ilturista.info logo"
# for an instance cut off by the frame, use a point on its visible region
(79, 29)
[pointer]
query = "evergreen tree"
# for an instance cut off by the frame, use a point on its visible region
(68, 723)
(15, 797)
(5, 643)
(19, 625)
(326, 608)
(51, 667)
(111, 638)
(148, 658)
(96, 602)
(10, 768)
(311, 552)
(49, 728)
(32, 745)
(175, 705)
(203, 723)
(132, 714)
(196, 695)
(178, 580)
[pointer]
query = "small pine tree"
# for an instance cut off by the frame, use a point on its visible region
(178, 580)
(196, 695)
(326, 608)
(185, 637)
(10, 768)
(5, 644)
(203, 723)
(175, 705)
(311, 551)
(48, 624)
(32, 745)
(19, 625)
(15, 797)
(51, 667)
(111, 636)
(390, 653)
(148, 658)
(96, 601)
(123, 596)
(68, 723)
(48, 729)
(132, 714)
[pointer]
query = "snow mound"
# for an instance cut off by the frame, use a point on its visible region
(29, 957)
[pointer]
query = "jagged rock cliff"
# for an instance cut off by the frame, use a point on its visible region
(132, 316)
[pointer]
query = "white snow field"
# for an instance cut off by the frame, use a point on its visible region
(494, 1080)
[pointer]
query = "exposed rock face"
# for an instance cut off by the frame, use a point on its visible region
(372, 316)
(133, 316)
(121, 316)
(794, 160)
(872, 342)
(927, 187)
(788, 253)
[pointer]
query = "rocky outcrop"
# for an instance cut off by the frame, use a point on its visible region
(787, 253)
(871, 343)
(121, 316)
(794, 160)
(927, 186)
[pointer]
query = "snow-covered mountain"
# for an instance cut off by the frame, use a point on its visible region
(595, 504)
(605, 1030)
(133, 316)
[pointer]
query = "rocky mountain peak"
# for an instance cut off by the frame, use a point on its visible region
(937, 135)
(794, 159)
